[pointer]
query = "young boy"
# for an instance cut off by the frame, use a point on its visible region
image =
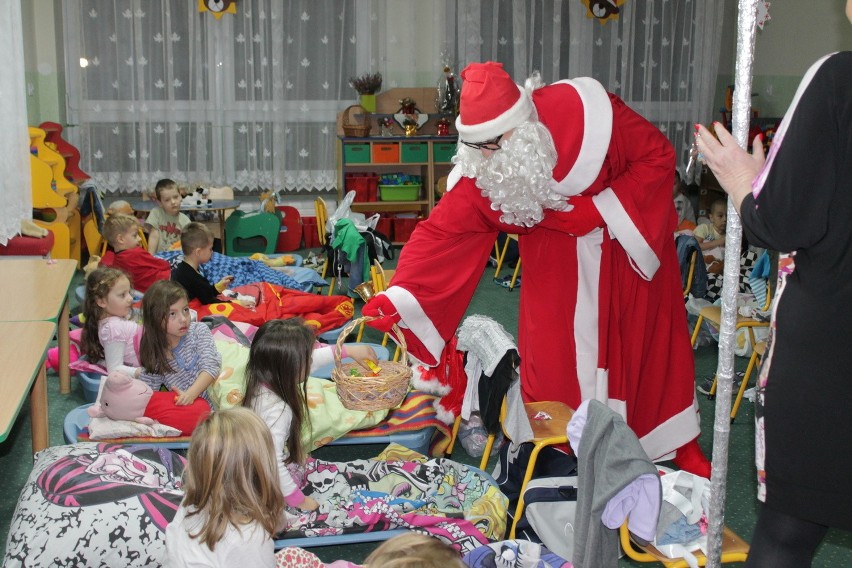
(122, 234)
(165, 222)
(711, 236)
(197, 245)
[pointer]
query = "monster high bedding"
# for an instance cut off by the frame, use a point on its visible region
(454, 502)
(93, 504)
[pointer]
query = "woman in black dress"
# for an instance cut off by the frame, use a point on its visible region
(799, 202)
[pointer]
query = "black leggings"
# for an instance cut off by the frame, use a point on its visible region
(782, 541)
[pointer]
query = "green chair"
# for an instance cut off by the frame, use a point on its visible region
(247, 233)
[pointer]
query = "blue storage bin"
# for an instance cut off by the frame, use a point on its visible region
(90, 382)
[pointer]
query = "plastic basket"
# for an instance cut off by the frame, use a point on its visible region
(383, 391)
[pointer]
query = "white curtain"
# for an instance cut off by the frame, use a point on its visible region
(660, 56)
(248, 100)
(15, 180)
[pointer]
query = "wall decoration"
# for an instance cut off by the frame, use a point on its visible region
(218, 7)
(603, 10)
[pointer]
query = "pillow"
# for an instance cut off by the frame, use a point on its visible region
(95, 504)
(108, 429)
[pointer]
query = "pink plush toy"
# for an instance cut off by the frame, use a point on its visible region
(122, 397)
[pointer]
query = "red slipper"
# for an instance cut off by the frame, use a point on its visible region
(690, 458)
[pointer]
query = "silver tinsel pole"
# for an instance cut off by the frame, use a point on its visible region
(733, 242)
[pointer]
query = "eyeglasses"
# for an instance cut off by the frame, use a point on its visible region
(493, 144)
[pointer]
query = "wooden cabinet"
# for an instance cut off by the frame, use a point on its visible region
(361, 161)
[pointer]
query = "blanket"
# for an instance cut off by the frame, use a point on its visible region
(451, 501)
(244, 270)
(276, 302)
(108, 505)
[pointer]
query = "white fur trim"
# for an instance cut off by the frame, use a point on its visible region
(443, 414)
(643, 259)
(662, 441)
(587, 313)
(415, 319)
(453, 177)
(597, 131)
(514, 116)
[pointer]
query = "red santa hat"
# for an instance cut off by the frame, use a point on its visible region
(491, 103)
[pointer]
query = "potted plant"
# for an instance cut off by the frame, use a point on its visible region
(367, 85)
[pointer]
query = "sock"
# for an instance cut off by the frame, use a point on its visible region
(690, 458)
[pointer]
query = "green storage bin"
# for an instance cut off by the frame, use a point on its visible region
(356, 153)
(444, 151)
(406, 192)
(415, 153)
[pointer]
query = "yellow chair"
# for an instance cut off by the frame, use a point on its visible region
(734, 549)
(690, 275)
(501, 256)
(380, 278)
(322, 219)
(756, 356)
(713, 314)
(545, 433)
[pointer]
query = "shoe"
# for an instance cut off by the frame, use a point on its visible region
(506, 281)
(704, 386)
(492, 262)
(689, 457)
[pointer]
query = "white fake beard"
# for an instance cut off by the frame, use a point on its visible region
(516, 178)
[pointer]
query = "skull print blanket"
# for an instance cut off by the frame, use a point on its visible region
(98, 504)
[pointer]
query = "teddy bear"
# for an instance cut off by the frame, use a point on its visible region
(201, 196)
(122, 397)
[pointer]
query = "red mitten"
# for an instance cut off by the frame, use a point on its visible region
(582, 219)
(382, 308)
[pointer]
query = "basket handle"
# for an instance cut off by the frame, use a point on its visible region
(350, 327)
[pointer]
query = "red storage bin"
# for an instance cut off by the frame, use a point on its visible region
(403, 227)
(385, 227)
(365, 185)
(290, 234)
(309, 232)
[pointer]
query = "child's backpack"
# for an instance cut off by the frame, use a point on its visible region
(550, 497)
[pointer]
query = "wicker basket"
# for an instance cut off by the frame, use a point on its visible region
(357, 121)
(380, 392)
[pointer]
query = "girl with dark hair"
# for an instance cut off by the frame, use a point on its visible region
(175, 351)
(278, 367)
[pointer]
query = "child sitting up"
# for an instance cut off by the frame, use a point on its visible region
(175, 351)
(110, 338)
(278, 367)
(122, 235)
(232, 503)
(165, 222)
(711, 236)
(197, 245)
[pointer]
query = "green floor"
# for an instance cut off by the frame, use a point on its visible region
(502, 305)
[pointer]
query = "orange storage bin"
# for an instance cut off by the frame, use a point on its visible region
(386, 153)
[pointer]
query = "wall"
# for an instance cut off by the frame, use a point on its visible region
(799, 33)
(43, 61)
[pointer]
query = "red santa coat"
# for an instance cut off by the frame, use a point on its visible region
(601, 315)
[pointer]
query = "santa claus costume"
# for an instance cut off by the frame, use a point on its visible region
(601, 307)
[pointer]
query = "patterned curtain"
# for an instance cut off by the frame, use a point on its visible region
(660, 56)
(248, 99)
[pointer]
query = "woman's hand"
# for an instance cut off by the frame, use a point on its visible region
(733, 167)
